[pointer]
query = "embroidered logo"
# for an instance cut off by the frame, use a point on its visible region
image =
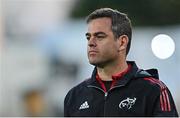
(127, 103)
(84, 105)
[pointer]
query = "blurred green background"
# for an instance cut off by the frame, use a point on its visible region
(142, 12)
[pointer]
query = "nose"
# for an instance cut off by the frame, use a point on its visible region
(92, 42)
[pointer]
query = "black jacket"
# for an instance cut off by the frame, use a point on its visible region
(137, 93)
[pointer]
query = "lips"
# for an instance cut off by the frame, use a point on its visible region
(93, 52)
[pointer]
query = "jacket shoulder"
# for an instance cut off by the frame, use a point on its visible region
(150, 79)
(154, 83)
(77, 89)
(72, 96)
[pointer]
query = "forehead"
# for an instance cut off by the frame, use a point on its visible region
(100, 24)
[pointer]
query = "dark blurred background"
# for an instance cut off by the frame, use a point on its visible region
(43, 49)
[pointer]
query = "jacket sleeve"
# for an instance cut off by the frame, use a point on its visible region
(66, 102)
(164, 104)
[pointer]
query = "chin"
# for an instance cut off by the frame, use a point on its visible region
(93, 63)
(96, 64)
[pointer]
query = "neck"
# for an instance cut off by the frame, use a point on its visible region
(105, 73)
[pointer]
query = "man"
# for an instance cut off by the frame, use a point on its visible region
(117, 87)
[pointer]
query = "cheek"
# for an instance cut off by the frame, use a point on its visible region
(110, 50)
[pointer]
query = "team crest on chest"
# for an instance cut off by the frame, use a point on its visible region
(127, 103)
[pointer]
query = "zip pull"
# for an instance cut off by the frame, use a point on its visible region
(105, 95)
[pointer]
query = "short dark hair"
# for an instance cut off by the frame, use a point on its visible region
(121, 24)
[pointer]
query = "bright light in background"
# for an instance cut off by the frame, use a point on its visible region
(163, 46)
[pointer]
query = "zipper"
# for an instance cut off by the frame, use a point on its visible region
(105, 93)
(105, 96)
(97, 88)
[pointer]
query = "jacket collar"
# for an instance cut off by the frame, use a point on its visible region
(121, 81)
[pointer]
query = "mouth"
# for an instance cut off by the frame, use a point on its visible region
(91, 53)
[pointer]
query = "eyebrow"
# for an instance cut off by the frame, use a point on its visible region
(99, 33)
(95, 34)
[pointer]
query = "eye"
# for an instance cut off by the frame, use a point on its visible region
(100, 37)
(87, 37)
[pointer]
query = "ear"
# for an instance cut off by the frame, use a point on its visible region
(123, 42)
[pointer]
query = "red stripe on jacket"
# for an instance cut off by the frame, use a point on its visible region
(164, 97)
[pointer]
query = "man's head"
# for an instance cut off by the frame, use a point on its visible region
(109, 36)
(121, 24)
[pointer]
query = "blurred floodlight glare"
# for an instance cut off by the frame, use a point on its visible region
(162, 46)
